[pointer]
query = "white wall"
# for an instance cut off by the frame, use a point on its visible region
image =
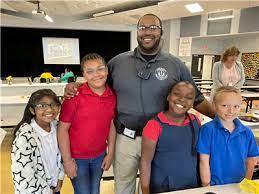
(133, 37)
(217, 45)
(166, 35)
(204, 46)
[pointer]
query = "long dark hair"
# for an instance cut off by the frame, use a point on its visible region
(35, 99)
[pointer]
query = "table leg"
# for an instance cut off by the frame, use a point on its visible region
(251, 104)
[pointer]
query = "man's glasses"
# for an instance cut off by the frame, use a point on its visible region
(44, 106)
(100, 69)
(152, 28)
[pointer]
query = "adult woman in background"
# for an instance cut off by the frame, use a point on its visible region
(228, 71)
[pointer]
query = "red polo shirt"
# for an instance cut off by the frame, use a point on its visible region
(90, 116)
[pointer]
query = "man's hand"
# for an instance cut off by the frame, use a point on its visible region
(107, 161)
(71, 89)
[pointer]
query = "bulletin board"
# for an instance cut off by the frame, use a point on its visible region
(250, 62)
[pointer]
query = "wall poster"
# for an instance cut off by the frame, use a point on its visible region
(250, 62)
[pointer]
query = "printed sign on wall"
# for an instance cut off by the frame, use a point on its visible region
(185, 46)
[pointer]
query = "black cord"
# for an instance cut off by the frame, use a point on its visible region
(193, 134)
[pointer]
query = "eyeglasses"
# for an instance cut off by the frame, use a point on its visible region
(152, 28)
(44, 106)
(100, 69)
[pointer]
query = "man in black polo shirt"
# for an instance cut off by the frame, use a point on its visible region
(141, 80)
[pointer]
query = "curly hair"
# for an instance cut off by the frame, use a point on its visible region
(232, 51)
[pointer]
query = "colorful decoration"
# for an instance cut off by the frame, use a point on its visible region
(250, 62)
(9, 79)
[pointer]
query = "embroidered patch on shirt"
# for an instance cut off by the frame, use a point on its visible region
(161, 73)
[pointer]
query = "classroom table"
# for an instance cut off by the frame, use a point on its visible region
(208, 87)
(12, 108)
(24, 89)
(252, 125)
(249, 97)
(199, 80)
(219, 189)
(202, 83)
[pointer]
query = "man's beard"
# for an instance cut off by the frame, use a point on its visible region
(152, 49)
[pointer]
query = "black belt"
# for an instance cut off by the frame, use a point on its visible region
(121, 127)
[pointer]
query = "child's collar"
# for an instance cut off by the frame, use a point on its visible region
(238, 125)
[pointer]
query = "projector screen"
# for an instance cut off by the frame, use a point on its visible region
(61, 50)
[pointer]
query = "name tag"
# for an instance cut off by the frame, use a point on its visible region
(129, 133)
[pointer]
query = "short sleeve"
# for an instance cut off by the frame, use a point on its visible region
(68, 109)
(115, 106)
(204, 141)
(152, 130)
(110, 69)
(252, 146)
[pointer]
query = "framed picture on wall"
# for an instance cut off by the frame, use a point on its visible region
(250, 62)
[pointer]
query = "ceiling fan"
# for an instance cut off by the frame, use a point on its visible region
(41, 12)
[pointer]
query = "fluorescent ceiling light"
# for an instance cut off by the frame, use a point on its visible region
(103, 13)
(220, 18)
(49, 19)
(194, 7)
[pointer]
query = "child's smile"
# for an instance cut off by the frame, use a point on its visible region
(46, 111)
(181, 98)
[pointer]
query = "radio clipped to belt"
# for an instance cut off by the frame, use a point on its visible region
(121, 129)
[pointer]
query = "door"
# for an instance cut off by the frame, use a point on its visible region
(197, 65)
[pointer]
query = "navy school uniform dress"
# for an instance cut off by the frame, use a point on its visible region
(174, 166)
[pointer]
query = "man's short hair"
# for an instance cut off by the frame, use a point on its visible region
(92, 56)
(150, 14)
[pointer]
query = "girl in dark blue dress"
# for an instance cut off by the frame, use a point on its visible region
(169, 159)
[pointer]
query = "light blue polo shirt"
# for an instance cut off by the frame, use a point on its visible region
(228, 151)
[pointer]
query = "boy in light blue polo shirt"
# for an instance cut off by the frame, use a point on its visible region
(227, 148)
